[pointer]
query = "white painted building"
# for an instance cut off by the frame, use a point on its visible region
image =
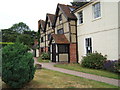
(98, 29)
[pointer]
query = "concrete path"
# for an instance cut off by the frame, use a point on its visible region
(80, 74)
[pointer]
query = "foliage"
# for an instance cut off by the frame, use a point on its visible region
(112, 66)
(25, 39)
(45, 55)
(20, 27)
(93, 60)
(9, 35)
(20, 32)
(17, 65)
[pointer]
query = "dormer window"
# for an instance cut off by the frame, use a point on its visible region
(60, 17)
(60, 31)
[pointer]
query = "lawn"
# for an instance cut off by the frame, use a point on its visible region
(77, 67)
(45, 78)
(43, 61)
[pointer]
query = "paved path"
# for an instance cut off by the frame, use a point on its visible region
(80, 74)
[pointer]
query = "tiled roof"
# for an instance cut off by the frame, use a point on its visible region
(52, 17)
(41, 22)
(60, 39)
(67, 11)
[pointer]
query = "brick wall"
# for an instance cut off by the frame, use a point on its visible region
(73, 54)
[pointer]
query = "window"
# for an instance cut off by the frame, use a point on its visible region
(63, 48)
(60, 17)
(48, 24)
(88, 43)
(49, 36)
(41, 39)
(60, 31)
(97, 10)
(80, 17)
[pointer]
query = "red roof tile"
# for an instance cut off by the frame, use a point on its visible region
(60, 39)
(67, 10)
(52, 17)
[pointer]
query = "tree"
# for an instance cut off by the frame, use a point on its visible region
(20, 27)
(9, 35)
(25, 39)
(17, 65)
(19, 32)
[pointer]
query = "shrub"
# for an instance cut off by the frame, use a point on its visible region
(93, 60)
(45, 55)
(112, 66)
(17, 65)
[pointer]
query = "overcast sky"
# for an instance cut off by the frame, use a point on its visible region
(27, 11)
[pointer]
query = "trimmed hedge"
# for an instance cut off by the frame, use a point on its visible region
(17, 65)
(93, 60)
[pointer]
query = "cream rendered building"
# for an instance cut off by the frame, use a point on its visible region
(98, 29)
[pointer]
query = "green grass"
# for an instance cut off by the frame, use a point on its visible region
(45, 78)
(77, 67)
(43, 61)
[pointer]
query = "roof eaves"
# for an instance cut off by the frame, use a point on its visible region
(77, 9)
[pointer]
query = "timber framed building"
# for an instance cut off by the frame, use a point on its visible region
(74, 32)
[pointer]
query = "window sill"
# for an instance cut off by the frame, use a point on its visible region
(96, 19)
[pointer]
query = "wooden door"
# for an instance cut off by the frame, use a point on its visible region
(53, 53)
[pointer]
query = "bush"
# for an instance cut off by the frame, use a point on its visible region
(112, 66)
(45, 55)
(17, 65)
(93, 60)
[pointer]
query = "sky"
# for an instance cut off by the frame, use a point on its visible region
(27, 11)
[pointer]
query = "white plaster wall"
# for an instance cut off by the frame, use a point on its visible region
(119, 29)
(119, 43)
(51, 52)
(37, 52)
(103, 31)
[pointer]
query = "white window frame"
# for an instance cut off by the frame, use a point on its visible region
(89, 46)
(80, 19)
(97, 13)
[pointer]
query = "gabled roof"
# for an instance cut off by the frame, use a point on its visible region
(59, 39)
(41, 23)
(51, 17)
(66, 10)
